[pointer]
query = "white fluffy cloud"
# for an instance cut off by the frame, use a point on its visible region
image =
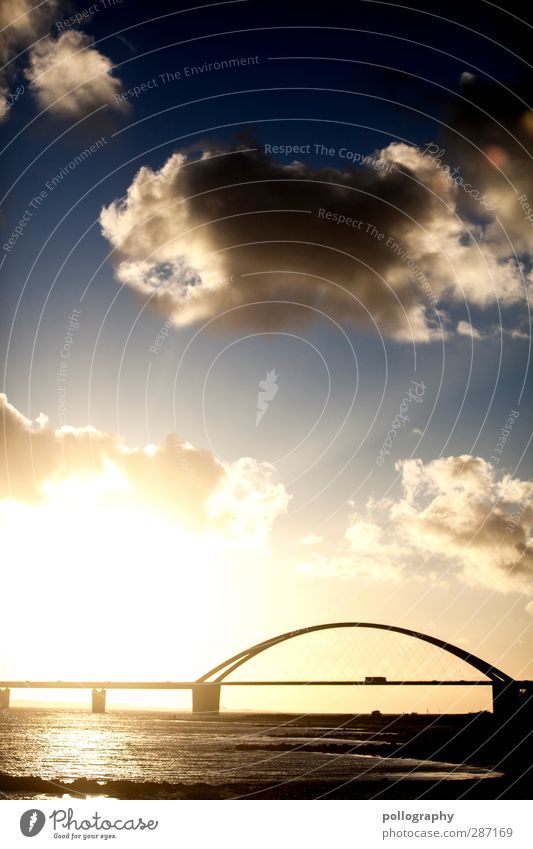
(200, 237)
(365, 552)
(457, 513)
(311, 539)
(459, 506)
(465, 328)
(248, 500)
(70, 76)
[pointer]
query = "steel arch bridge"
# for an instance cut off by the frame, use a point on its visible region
(508, 695)
(505, 690)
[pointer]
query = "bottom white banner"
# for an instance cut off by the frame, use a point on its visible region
(264, 824)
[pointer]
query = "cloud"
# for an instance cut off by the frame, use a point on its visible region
(517, 333)
(372, 564)
(189, 485)
(311, 539)
(459, 506)
(457, 513)
(71, 77)
(491, 331)
(464, 328)
(248, 500)
(491, 143)
(466, 78)
(217, 230)
(365, 552)
(22, 22)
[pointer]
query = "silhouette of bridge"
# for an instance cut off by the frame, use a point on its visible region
(508, 694)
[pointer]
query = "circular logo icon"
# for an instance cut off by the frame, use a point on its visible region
(32, 822)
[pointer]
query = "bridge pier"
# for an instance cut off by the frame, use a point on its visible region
(4, 699)
(505, 699)
(206, 699)
(98, 701)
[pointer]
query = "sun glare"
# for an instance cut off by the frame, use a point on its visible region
(105, 582)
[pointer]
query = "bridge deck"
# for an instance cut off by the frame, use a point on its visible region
(188, 685)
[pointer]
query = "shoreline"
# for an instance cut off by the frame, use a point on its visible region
(506, 787)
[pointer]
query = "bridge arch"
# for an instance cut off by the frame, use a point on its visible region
(220, 672)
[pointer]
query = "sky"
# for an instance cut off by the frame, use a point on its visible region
(265, 341)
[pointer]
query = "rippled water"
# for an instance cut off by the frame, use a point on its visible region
(65, 745)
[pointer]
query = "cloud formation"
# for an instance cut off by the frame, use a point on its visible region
(70, 76)
(457, 514)
(218, 231)
(465, 328)
(189, 485)
(492, 142)
(22, 22)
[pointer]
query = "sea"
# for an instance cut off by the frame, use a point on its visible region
(62, 746)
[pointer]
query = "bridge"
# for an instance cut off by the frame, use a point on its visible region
(508, 695)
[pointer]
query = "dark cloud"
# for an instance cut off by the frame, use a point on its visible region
(236, 226)
(186, 485)
(491, 140)
(174, 476)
